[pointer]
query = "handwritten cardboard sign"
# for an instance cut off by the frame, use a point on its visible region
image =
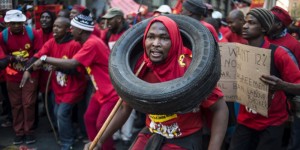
(242, 66)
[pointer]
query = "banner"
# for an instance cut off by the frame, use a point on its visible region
(41, 8)
(257, 3)
(242, 66)
(127, 6)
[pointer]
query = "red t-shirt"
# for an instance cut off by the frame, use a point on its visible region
(277, 113)
(222, 38)
(113, 38)
(179, 125)
(233, 37)
(67, 88)
(103, 34)
(211, 29)
(96, 31)
(44, 36)
(44, 73)
(94, 56)
(224, 30)
(22, 46)
(289, 42)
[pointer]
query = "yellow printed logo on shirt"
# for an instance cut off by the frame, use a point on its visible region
(162, 118)
(88, 70)
(27, 46)
(180, 60)
(21, 53)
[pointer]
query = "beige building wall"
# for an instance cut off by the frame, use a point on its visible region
(294, 8)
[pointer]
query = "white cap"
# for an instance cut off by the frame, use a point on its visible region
(164, 9)
(217, 15)
(28, 7)
(14, 16)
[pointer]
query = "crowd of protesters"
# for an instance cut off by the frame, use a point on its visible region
(73, 47)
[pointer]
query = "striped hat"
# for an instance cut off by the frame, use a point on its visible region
(83, 21)
(264, 16)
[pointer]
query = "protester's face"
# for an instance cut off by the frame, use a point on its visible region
(73, 13)
(45, 20)
(60, 29)
(16, 27)
(157, 42)
(76, 33)
(114, 23)
(235, 24)
(252, 28)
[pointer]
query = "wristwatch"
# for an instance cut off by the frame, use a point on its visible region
(43, 58)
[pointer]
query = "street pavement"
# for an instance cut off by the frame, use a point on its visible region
(45, 139)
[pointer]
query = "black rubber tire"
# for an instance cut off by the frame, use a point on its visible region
(180, 95)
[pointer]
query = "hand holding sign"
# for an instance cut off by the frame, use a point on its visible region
(242, 67)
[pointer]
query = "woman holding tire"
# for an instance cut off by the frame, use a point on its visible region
(163, 60)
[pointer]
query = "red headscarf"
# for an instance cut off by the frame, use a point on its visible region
(170, 68)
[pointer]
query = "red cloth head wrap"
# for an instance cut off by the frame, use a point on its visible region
(169, 69)
(282, 15)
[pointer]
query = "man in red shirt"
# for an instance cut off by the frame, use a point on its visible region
(255, 131)
(76, 10)
(45, 33)
(19, 44)
(116, 25)
(162, 47)
(235, 22)
(47, 19)
(68, 85)
(221, 29)
(198, 10)
(278, 34)
(216, 24)
(93, 55)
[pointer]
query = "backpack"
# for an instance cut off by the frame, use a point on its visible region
(27, 28)
(275, 72)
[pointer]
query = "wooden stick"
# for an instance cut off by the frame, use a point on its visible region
(106, 123)
(111, 115)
